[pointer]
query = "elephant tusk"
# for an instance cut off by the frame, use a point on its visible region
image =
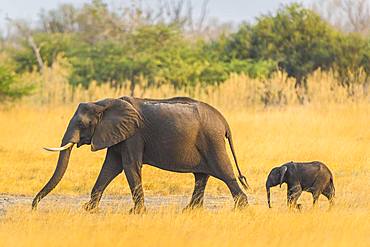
(68, 145)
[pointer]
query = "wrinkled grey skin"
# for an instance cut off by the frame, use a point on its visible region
(314, 177)
(178, 134)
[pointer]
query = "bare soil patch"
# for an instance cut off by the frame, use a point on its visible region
(111, 203)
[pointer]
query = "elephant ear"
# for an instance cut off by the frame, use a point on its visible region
(283, 170)
(119, 120)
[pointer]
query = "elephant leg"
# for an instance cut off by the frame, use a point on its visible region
(315, 195)
(239, 196)
(220, 167)
(294, 192)
(329, 193)
(132, 158)
(321, 182)
(198, 193)
(133, 175)
(316, 192)
(112, 166)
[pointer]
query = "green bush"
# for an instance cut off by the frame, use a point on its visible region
(297, 39)
(352, 59)
(10, 87)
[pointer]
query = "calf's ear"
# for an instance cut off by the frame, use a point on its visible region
(283, 170)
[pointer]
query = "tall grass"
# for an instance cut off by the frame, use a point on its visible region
(53, 89)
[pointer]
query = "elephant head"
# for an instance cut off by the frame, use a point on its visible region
(276, 176)
(100, 124)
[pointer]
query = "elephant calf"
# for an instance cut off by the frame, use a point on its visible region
(314, 177)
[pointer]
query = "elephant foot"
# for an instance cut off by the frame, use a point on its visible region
(241, 202)
(90, 206)
(137, 210)
(331, 205)
(191, 207)
(293, 207)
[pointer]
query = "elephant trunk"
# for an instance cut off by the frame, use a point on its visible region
(55, 179)
(268, 195)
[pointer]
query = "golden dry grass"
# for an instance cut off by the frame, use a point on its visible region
(337, 134)
(256, 226)
(53, 89)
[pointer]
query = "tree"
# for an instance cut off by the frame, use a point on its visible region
(27, 36)
(233, 53)
(128, 46)
(350, 59)
(297, 39)
(238, 45)
(10, 87)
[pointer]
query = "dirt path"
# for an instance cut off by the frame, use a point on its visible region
(110, 202)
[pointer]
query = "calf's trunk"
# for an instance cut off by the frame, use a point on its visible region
(268, 195)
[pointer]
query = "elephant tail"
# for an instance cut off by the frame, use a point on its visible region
(241, 177)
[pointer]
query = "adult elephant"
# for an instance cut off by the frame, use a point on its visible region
(178, 134)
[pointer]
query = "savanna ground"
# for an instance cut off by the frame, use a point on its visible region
(336, 133)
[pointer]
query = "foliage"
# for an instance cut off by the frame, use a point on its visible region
(50, 45)
(297, 39)
(239, 44)
(352, 59)
(260, 69)
(132, 48)
(10, 87)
